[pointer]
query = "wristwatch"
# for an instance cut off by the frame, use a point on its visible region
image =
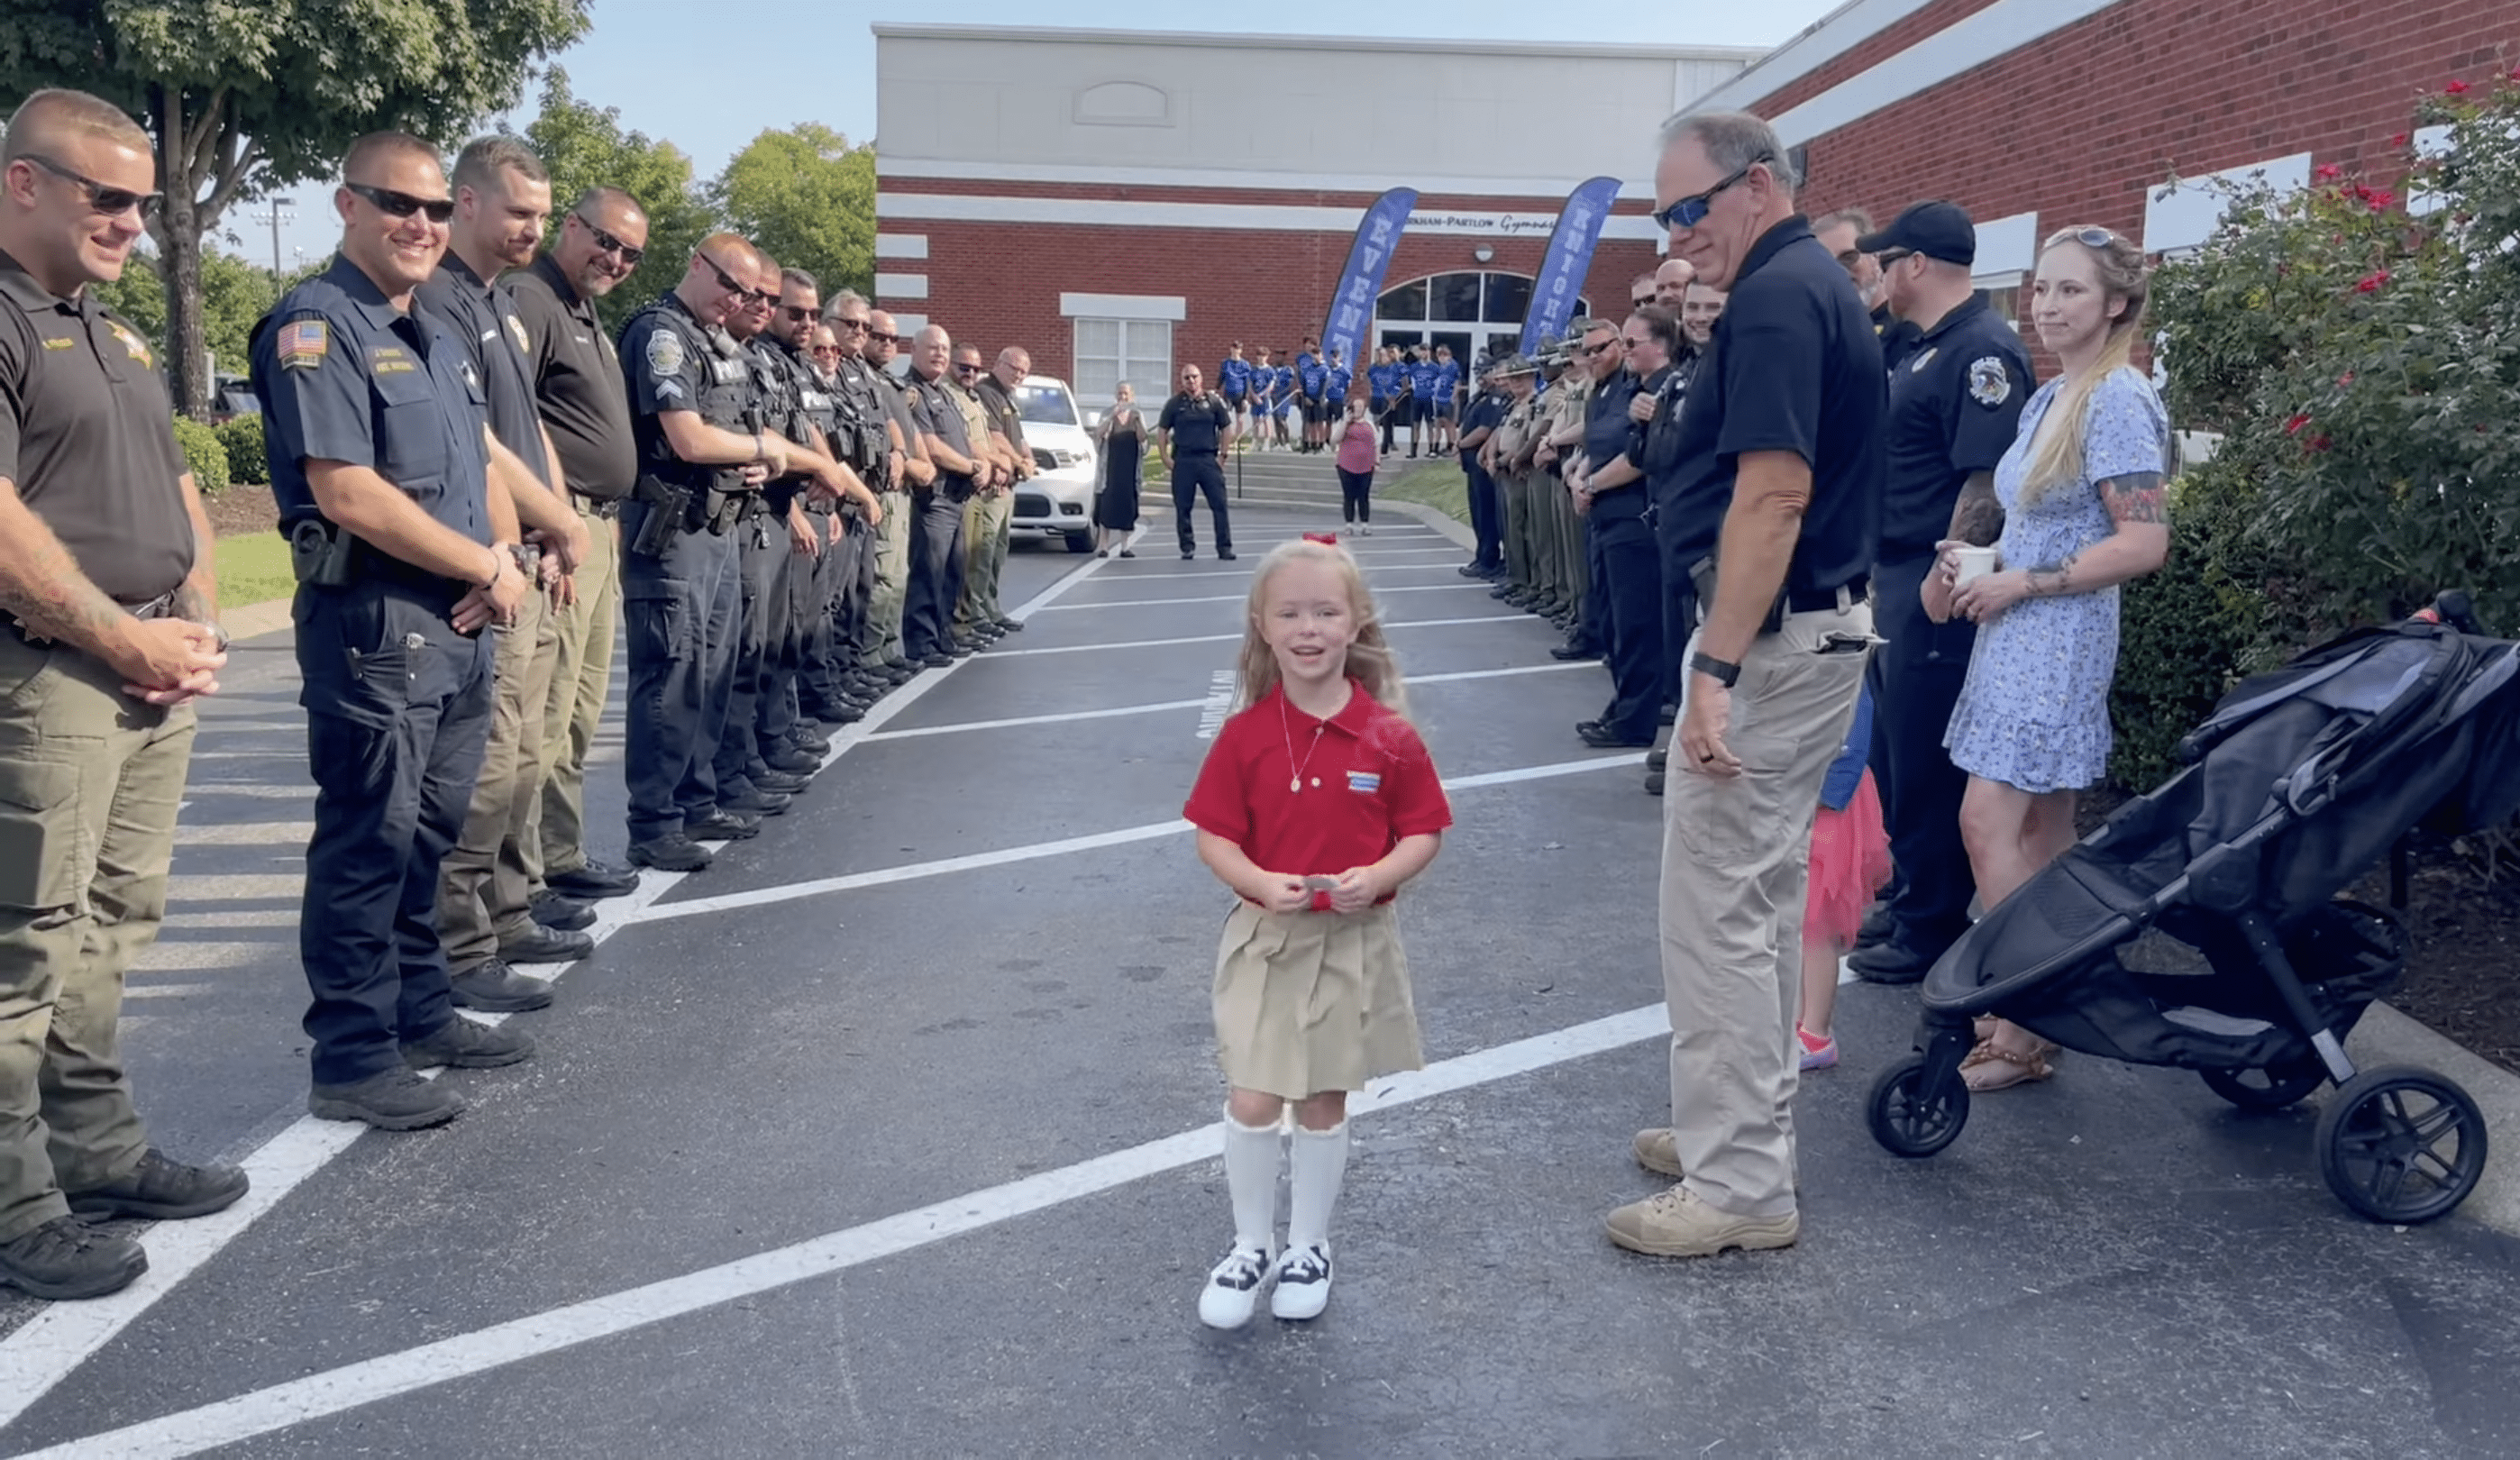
(1719, 671)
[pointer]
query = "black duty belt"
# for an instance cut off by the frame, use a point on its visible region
(605, 507)
(1827, 599)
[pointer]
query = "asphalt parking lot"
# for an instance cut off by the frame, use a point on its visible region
(890, 1134)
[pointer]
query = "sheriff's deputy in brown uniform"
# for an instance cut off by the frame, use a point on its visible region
(107, 632)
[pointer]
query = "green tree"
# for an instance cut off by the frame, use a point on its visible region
(807, 197)
(584, 147)
(235, 294)
(244, 97)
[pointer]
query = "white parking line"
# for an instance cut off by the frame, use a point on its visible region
(50, 1347)
(1236, 571)
(1023, 720)
(351, 1386)
(763, 897)
(1423, 588)
(1157, 644)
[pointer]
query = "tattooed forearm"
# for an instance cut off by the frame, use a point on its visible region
(2053, 582)
(2135, 496)
(41, 586)
(1978, 519)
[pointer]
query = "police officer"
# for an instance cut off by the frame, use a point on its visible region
(1701, 306)
(807, 536)
(108, 631)
(937, 559)
(995, 388)
(1842, 234)
(1954, 408)
(702, 451)
(1619, 547)
(866, 392)
(1194, 428)
(1509, 454)
(1594, 350)
(484, 908)
(1479, 423)
(405, 551)
(578, 391)
(990, 502)
(911, 484)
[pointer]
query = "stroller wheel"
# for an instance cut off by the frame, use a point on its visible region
(2274, 1088)
(2400, 1144)
(1915, 1110)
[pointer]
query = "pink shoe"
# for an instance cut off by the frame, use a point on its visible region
(1817, 1054)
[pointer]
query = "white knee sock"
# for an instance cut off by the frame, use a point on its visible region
(1251, 1181)
(1320, 1164)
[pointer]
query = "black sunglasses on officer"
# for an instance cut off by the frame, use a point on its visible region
(103, 202)
(396, 204)
(606, 243)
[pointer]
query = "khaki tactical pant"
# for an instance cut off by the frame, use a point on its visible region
(582, 678)
(1735, 855)
(891, 577)
(986, 520)
(1515, 488)
(482, 887)
(89, 782)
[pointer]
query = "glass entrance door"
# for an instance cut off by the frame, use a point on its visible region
(1476, 313)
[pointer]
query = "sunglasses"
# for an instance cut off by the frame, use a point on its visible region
(1641, 300)
(796, 314)
(1888, 256)
(2094, 237)
(966, 367)
(877, 337)
(402, 204)
(726, 282)
(606, 243)
(1603, 348)
(111, 203)
(821, 350)
(842, 326)
(1690, 211)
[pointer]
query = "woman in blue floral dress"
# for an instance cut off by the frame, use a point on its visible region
(2082, 493)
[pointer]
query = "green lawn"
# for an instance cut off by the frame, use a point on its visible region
(1436, 484)
(252, 568)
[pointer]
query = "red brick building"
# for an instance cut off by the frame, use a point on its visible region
(1119, 202)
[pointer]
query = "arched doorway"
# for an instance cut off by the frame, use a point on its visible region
(1475, 312)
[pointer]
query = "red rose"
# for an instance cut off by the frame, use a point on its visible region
(2380, 199)
(2293, 427)
(2319, 443)
(2370, 284)
(2397, 141)
(2346, 378)
(2328, 172)
(2457, 88)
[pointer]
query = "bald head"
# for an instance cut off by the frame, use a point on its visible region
(1014, 363)
(56, 118)
(77, 184)
(1671, 282)
(376, 151)
(931, 352)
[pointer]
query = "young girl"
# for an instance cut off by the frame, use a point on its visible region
(1315, 804)
(1850, 860)
(1355, 463)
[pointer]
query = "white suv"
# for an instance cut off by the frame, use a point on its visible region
(1061, 499)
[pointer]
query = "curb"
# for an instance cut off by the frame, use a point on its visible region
(253, 620)
(2386, 1037)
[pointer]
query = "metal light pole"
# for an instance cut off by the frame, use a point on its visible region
(276, 215)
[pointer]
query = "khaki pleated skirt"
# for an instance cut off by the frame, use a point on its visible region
(1312, 1001)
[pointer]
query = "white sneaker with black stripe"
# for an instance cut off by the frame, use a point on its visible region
(1232, 1292)
(1303, 1283)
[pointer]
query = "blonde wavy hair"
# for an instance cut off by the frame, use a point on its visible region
(1370, 658)
(2056, 456)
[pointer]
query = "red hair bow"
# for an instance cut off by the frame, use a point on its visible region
(1326, 539)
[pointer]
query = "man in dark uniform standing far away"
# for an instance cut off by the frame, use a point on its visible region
(109, 629)
(1195, 425)
(380, 465)
(1954, 407)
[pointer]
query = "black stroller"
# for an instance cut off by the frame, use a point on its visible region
(2300, 782)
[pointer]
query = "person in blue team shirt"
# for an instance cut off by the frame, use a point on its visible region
(1422, 414)
(1448, 384)
(1312, 387)
(1234, 379)
(1283, 390)
(1263, 399)
(1341, 378)
(1382, 384)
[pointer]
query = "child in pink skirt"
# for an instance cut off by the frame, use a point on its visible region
(1850, 860)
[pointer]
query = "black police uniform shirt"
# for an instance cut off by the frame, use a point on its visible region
(1004, 414)
(495, 339)
(937, 416)
(84, 434)
(900, 408)
(577, 382)
(1656, 444)
(1605, 438)
(1486, 413)
(1197, 423)
(1898, 337)
(860, 396)
(672, 362)
(1794, 366)
(1954, 408)
(343, 375)
(777, 401)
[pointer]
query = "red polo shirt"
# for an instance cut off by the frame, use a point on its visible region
(1366, 781)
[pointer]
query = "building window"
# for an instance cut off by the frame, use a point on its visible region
(1110, 351)
(1484, 310)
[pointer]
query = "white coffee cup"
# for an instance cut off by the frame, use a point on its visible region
(1974, 563)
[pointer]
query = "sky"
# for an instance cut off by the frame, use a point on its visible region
(700, 77)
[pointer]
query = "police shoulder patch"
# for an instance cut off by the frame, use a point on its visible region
(666, 352)
(1988, 383)
(302, 344)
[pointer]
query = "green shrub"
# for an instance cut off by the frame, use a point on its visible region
(248, 465)
(2181, 631)
(204, 453)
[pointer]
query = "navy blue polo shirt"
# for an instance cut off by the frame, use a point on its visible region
(494, 336)
(1954, 407)
(343, 375)
(671, 361)
(1197, 424)
(1794, 366)
(1606, 439)
(940, 417)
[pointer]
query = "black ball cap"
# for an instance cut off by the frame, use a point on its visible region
(1935, 229)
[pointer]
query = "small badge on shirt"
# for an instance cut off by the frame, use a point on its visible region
(1364, 782)
(302, 344)
(1989, 385)
(132, 344)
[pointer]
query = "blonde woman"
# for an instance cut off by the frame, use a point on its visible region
(1120, 437)
(2080, 492)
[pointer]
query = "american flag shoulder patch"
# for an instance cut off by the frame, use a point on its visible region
(302, 344)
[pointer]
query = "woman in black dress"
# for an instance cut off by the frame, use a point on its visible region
(1121, 435)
